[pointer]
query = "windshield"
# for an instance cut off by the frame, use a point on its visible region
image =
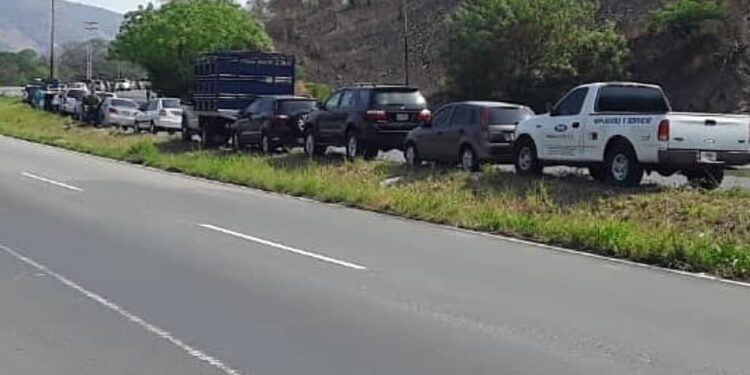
(640, 99)
(509, 115)
(406, 98)
(170, 103)
(123, 103)
(290, 107)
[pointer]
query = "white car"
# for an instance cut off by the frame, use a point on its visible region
(72, 102)
(621, 130)
(160, 114)
(123, 85)
(118, 112)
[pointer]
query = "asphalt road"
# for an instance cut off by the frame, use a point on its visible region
(107, 268)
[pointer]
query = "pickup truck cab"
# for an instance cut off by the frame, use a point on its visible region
(621, 130)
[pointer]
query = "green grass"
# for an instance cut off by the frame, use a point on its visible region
(686, 229)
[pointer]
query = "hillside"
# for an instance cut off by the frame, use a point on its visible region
(341, 44)
(26, 23)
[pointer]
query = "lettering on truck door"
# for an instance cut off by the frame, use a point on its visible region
(562, 135)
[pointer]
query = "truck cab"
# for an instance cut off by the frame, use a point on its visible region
(621, 130)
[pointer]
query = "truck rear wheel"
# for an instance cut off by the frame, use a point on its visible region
(208, 139)
(622, 166)
(311, 144)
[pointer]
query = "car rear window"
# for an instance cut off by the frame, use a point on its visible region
(123, 103)
(78, 94)
(509, 115)
(170, 103)
(405, 98)
(290, 107)
(631, 99)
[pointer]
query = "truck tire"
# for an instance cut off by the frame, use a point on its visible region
(525, 159)
(265, 144)
(152, 128)
(312, 148)
(186, 135)
(207, 138)
(622, 166)
(709, 178)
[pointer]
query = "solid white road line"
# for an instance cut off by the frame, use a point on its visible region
(52, 182)
(160, 333)
(284, 247)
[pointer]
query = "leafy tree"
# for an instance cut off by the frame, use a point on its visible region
(684, 17)
(19, 68)
(73, 62)
(529, 51)
(166, 41)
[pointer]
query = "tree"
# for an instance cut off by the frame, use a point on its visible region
(20, 68)
(684, 17)
(529, 51)
(73, 62)
(166, 41)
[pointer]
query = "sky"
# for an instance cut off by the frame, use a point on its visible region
(119, 6)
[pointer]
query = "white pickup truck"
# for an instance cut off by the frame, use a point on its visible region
(621, 130)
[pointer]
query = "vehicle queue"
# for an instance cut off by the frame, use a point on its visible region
(617, 130)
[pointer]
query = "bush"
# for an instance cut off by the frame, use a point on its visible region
(684, 17)
(529, 51)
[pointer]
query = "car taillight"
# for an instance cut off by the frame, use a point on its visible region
(663, 134)
(279, 119)
(376, 116)
(425, 116)
(113, 111)
(484, 122)
(163, 112)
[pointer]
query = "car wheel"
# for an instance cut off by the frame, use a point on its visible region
(137, 127)
(186, 136)
(311, 144)
(207, 140)
(237, 143)
(412, 156)
(352, 145)
(622, 166)
(709, 178)
(469, 160)
(265, 144)
(526, 160)
(152, 128)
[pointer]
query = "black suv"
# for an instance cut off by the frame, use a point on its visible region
(365, 119)
(272, 122)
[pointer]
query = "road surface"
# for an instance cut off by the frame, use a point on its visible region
(107, 268)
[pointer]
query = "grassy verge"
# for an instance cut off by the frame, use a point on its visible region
(678, 228)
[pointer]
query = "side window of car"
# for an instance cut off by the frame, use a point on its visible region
(461, 116)
(363, 99)
(442, 117)
(572, 104)
(348, 99)
(333, 101)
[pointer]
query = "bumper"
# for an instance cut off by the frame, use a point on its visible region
(121, 120)
(169, 122)
(497, 152)
(692, 158)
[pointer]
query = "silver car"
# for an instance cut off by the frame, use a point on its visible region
(118, 112)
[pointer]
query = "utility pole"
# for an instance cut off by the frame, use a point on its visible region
(405, 14)
(52, 45)
(91, 26)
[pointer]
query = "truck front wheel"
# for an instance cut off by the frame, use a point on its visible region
(622, 166)
(526, 160)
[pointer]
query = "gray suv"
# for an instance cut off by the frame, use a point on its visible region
(469, 133)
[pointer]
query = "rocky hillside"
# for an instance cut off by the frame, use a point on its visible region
(26, 23)
(340, 44)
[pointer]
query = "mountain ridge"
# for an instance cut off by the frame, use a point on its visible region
(26, 24)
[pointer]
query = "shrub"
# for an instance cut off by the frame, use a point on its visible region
(529, 51)
(684, 17)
